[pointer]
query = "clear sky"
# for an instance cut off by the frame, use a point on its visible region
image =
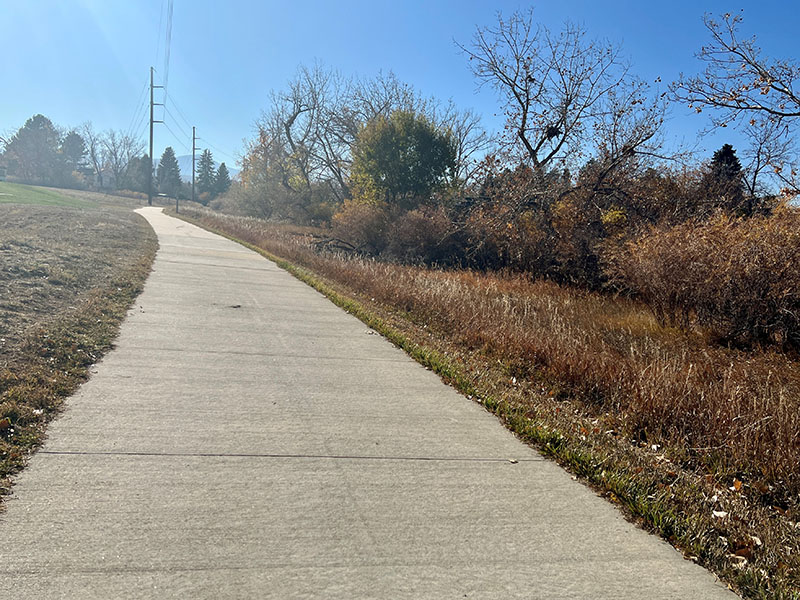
(89, 60)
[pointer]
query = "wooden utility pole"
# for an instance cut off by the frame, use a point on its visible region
(150, 171)
(194, 149)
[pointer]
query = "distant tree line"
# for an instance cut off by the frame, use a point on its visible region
(580, 165)
(45, 154)
(209, 182)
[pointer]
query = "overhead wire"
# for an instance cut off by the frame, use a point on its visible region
(179, 120)
(140, 102)
(158, 39)
(167, 48)
(142, 125)
(180, 112)
(175, 122)
(177, 138)
(230, 155)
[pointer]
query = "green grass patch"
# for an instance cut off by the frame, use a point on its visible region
(15, 193)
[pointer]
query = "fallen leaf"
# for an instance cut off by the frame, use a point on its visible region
(745, 552)
(719, 514)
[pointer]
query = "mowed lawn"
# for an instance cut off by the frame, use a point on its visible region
(14, 193)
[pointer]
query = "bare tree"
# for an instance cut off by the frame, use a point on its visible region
(471, 140)
(303, 151)
(737, 80)
(118, 150)
(555, 87)
(771, 148)
(746, 89)
(567, 100)
(95, 150)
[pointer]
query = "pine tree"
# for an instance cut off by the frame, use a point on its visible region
(205, 173)
(32, 152)
(222, 181)
(136, 174)
(723, 184)
(169, 173)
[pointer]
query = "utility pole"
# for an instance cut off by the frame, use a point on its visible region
(150, 171)
(194, 148)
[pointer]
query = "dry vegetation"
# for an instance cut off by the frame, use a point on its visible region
(699, 442)
(737, 278)
(67, 276)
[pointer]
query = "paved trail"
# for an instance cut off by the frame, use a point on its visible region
(247, 439)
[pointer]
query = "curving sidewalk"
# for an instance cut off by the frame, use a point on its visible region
(248, 439)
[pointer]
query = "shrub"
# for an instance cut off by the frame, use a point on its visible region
(736, 277)
(362, 226)
(501, 238)
(424, 235)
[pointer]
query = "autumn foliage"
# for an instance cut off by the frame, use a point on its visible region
(735, 277)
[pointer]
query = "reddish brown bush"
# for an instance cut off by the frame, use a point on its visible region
(737, 277)
(500, 237)
(362, 226)
(424, 235)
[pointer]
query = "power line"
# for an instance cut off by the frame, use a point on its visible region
(140, 104)
(158, 42)
(141, 126)
(167, 48)
(180, 112)
(219, 150)
(177, 138)
(176, 124)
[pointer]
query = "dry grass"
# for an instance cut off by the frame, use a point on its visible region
(735, 277)
(698, 442)
(67, 277)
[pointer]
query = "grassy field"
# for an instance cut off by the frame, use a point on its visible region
(70, 266)
(14, 193)
(694, 441)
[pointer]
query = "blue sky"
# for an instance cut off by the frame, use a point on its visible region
(88, 60)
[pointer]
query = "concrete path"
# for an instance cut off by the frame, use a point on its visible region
(247, 439)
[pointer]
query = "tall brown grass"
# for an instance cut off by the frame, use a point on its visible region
(721, 411)
(737, 278)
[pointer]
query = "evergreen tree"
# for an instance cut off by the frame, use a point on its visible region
(222, 181)
(169, 174)
(73, 151)
(32, 152)
(136, 174)
(723, 185)
(725, 165)
(205, 173)
(70, 161)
